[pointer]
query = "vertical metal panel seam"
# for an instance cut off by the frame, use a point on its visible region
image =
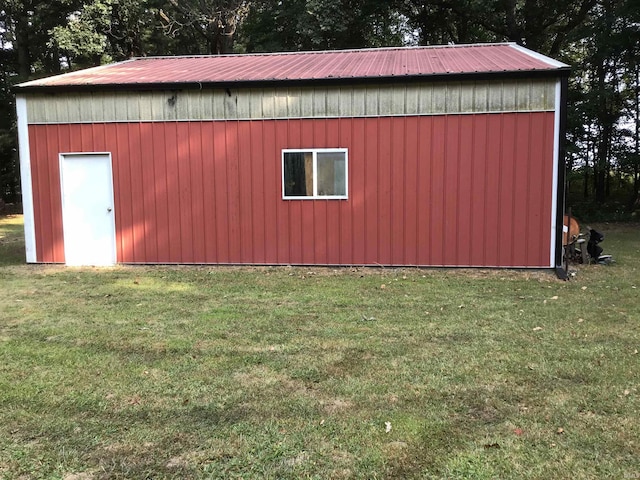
(145, 226)
(166, 185)
(48, 175)
(377, 192)
(214, 182)
(471, 187)
(180, 206)
(225, 152)
(500, 179)
(265, 157)
(432, 161)
(514, 206)
(527, 198)
(445, 167)
(483, 181)
(404, 190)
(203, 217)
(458, 190)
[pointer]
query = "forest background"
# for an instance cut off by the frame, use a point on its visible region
(600, 39)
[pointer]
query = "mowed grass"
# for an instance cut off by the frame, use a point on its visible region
(220, 372)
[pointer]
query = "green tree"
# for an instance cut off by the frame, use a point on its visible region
(294, 25)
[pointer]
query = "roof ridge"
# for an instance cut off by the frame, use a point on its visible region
(321, 52)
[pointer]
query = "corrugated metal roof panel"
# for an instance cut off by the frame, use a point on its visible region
(309, 66)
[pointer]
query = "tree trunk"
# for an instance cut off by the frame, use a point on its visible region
(22, 43)
(635, 194)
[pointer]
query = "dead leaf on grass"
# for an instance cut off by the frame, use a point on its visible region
(79, 476)
(177, 462)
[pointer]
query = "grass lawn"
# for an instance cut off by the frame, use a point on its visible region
(216, 372)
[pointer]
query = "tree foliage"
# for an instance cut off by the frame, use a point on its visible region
(599, 38)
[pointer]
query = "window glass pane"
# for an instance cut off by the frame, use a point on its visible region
(298, 174)
(331, 173)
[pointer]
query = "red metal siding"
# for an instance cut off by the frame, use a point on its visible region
(452, 190)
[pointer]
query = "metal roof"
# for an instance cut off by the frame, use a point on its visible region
(307, 67)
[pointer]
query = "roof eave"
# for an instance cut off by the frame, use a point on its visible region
(330, 81)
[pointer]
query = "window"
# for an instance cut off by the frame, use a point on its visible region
(317, 173)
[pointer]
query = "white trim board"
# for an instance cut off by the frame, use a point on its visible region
(556, 160)
(26, 179)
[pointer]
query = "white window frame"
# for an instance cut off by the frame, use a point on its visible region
(314, 152)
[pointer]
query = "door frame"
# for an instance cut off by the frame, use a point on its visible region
(61, 158)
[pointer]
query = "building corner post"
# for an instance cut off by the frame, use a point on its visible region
(561, 265)
(26, 180)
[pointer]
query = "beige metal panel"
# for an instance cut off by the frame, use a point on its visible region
(333, 102)
(453, 97)
(412, 97)
(523, 95)
(218, 103)
(319, 102)
(359, 101)
(146, 107)
(398, 94)
(346, 101)
(494, 103)
(425, 98)
(550, 95)
(97, 108)
(385, 100)
(231, 105)
(73, 108)
(481, 97)
(170, 105)
(371, 101)
(439, 98)
(221, 104)
(54, 108)
(294, 103)
(85, 108)
(306, 102)
(194, 105)
(206, 104)
(120, 107)
(467, 92)
(267, 101)
(538, 93)
(108, 106)
(182, 105)
(280, 103)
(255, 102)
(509, 89)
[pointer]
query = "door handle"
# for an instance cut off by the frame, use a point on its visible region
(109, 209)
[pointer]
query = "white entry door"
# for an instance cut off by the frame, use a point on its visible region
(87, 209)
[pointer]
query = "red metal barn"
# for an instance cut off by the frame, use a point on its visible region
(439, 156)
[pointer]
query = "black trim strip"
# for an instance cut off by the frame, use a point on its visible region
(271, 83)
